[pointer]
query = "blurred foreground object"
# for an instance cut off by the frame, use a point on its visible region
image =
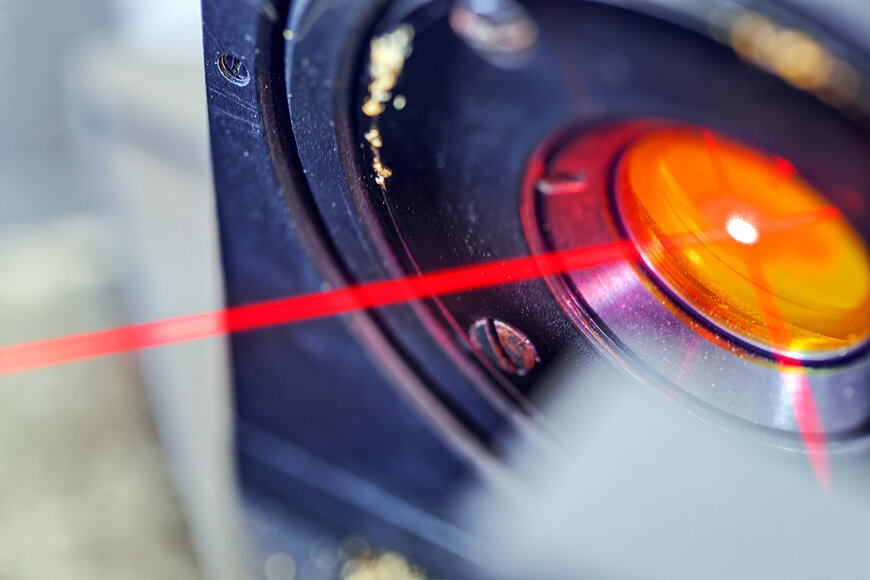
(648, 493)
(136, 98)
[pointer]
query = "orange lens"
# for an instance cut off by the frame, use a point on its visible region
(750, 246)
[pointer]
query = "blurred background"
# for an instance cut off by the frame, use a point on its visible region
(107, 218)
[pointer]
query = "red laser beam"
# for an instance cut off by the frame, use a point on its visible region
(33, 355)
(67, 349)
(783, 169)
(44, 353)
(794, 380)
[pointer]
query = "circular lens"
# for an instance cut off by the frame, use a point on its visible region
(745, 242)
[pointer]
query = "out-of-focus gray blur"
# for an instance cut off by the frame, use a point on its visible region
(641, 488)
(107, 218)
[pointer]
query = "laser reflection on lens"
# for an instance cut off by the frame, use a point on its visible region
(803, 291)
(795, 384)
(67, 349)
(741, 230)
(688, 182)
(33, 355)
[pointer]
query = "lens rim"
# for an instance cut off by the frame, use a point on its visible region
(622, 191)
(623, 309)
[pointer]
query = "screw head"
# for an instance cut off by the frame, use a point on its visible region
(503, 345)
(500, 31)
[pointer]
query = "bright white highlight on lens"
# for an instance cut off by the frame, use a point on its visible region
(741, 230)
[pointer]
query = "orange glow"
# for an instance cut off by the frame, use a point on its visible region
(734, 201)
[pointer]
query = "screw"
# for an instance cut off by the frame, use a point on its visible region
(500, 31)
(233, 69)
(503, 345)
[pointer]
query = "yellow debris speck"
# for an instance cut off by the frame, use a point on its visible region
(795, 56)
(372, 108)
(373, 136)
(388, 565)
(387, 55)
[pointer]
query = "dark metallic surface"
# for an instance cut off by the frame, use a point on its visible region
(321, 120)
(461, 161)
(288, 384)
(396, 401)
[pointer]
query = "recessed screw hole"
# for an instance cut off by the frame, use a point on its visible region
(233, 69)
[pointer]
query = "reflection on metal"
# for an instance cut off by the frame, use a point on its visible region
(500, 31)
(562, 184)
(794, 55)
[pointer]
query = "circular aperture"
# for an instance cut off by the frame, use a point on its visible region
(656, 329)
(748, 245)
(464, 153)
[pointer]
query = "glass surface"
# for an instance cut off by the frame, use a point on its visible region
(741, 238)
